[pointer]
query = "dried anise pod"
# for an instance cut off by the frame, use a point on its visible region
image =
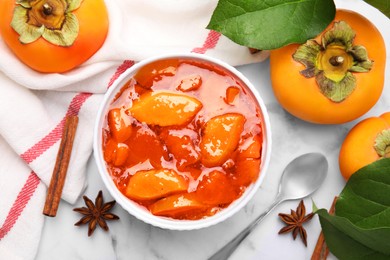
(295, 222)
(96, 214)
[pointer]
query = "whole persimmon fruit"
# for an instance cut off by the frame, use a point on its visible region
(334, 78)
(366, 142)
(53, 35)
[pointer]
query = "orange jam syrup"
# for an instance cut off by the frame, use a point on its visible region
(183, 138)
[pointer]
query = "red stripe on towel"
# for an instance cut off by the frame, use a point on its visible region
(40, 147)
(20, 203)
(51, 138)
(122, 68)
(30, 155)
(210, 43)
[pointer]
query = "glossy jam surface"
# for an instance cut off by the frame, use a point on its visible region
(183, 138)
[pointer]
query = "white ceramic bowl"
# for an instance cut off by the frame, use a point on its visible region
(142, 213)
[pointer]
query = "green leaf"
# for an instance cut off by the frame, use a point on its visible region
(381, 5)
(271, 24)
(347, 241)
(365, 200)
(361, 227)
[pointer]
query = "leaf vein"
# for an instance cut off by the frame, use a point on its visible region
(245, 12)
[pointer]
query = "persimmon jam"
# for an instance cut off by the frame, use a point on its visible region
(183, 138)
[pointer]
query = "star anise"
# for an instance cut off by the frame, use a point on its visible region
(96, 214)
(294, 222)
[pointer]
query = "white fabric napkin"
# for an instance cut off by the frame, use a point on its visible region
(33, 105)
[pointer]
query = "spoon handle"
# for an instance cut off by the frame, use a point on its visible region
(228, 249)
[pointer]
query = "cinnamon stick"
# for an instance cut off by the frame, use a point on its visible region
(57, 181)
(321, 250)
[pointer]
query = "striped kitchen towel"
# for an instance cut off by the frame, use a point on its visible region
(33, 105)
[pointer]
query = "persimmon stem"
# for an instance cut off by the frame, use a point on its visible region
(336, 60)
(47, 9)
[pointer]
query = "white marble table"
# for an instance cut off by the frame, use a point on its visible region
(130, 238)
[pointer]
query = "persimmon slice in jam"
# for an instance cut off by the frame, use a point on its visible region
(155, 184)
(165, 108)
(155, 71)
(178, 206)
(180, 144)
(193, 82)
(119, 124)
(116, 153)
(251, 148)
(183, 138)
(216, 189)
(145, 146)
(231, 94)
(221, 136)
(246, 171)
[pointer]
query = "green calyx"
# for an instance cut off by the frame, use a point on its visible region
(334, 61)
(51, 19)
(382, 144)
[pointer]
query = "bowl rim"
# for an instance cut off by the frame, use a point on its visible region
(141, 213)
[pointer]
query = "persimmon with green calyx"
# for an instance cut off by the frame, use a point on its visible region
(366, 142)
(334, 78)
(53, 35)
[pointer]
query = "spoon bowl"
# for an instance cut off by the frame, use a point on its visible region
(301, 177)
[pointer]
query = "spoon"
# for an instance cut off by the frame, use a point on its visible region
(300, 178)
